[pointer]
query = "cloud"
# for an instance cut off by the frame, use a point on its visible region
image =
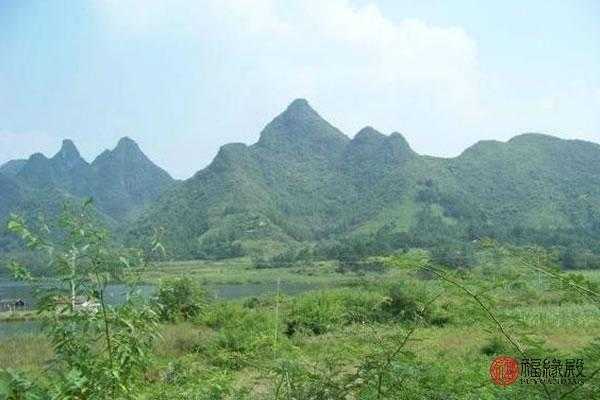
(330, 51)
(357, 66)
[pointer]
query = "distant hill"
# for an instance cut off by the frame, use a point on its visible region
(30, 202)
(66, 171)
(12, 167)
(304, 181)
(125, 180)
(122, 182)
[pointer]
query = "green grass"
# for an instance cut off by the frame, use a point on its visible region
(403, 214)
(241, 271)
(28, 352)
(13, 316)
(239, 349)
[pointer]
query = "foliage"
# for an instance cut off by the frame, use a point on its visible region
(100, 350)
(494, 347)
(179, 299)
(416, 330)
(305, 183)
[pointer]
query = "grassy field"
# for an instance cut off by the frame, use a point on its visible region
(10, 316)
(400, 333)
(241, 270)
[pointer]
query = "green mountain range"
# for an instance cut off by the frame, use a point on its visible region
(305, 182)
(122, 182)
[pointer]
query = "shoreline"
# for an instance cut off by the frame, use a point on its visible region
(18, 316)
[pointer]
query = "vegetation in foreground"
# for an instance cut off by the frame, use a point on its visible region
(408, 329)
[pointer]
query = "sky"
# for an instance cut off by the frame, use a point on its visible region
(183, 78)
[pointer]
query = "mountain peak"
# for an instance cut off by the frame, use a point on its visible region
(68, 151)
(37, 157)
(397, 137)
(126, 151)
(368, 132)
(533, 137)
(299, 103)
(299, 109)
(300, 126)
(126, 143)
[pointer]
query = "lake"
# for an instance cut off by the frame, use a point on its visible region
(117, 293)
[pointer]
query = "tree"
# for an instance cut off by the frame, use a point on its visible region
(100, 350)
(179, 299)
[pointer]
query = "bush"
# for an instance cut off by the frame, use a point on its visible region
(454, 255)
(243, 334)
(320, 312)
(315, 312)
(102, 351)
(180, 299)
(360, 267)
(401, 306)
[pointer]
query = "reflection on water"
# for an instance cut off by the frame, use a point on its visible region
(117, 294)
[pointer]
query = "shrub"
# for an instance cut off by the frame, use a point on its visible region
(360, 266)
(320, 312)
(316, 313)
(100, 351)
(180, 299)
(242, 334)
(401, 306)
(328, 380)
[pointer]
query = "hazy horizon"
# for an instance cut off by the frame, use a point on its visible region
(182, 79)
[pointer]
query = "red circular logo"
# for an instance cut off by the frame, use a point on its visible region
(504, 370)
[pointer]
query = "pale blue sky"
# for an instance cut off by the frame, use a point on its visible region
(183, 78)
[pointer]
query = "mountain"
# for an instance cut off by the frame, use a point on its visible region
(122, 182)
(305, 181)
(66, 170)
(125, 179)
(11, 194)
(39, 186)
(12, 167)
(281, 189)
(32, 203)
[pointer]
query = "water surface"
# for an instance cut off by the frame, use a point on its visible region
(117, 294)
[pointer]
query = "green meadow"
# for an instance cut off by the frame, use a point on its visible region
(407, 330)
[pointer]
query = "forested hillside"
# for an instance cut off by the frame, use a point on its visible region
(121, 182)
(305, 182)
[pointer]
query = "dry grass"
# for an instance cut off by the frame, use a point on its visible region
(25, 352)
(181, 339)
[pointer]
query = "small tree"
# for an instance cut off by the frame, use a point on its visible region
(100, 349)
(179, 299)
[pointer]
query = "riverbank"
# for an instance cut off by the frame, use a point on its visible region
(16, 316)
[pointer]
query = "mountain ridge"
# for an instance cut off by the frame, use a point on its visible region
(304, 181)
(121, 181)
